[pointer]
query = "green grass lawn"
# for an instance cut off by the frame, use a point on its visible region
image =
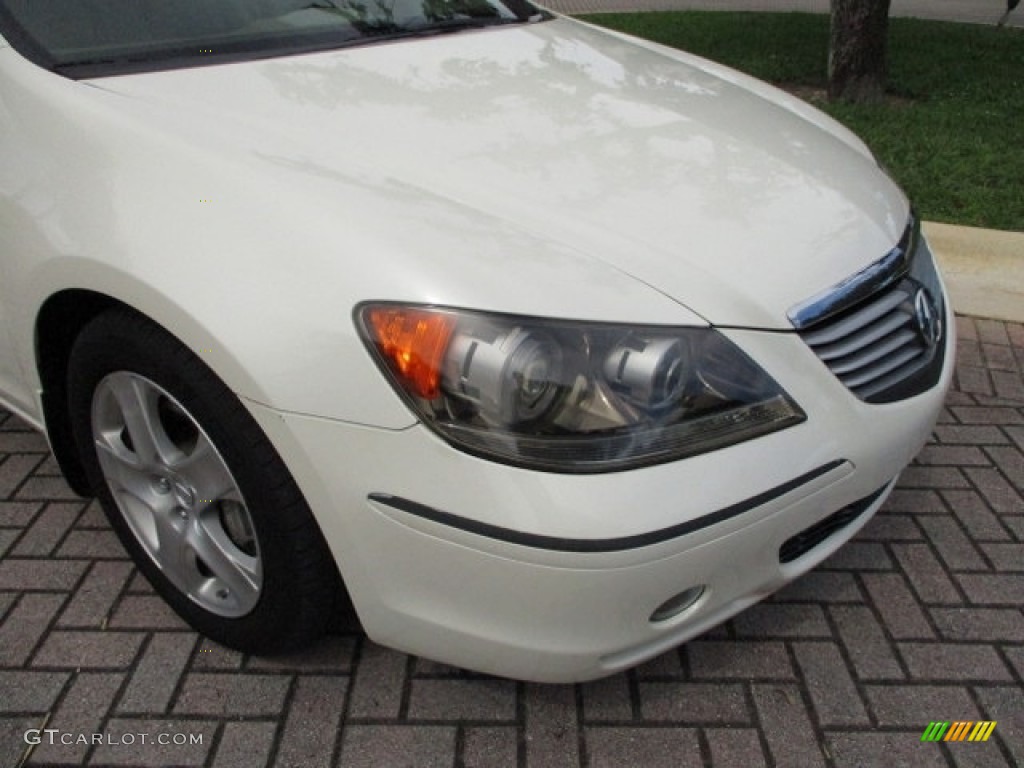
(953, 132)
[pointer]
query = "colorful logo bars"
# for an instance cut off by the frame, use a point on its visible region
(960, 730)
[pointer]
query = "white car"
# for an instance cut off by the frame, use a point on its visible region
(550, 346)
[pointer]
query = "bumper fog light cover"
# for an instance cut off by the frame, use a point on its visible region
(677, 604)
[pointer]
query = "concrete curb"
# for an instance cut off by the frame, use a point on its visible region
(983, 269)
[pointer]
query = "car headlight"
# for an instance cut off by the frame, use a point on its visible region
(565, 396)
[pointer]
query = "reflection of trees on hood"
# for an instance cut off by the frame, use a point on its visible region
(368, 18)
(444, 10)
(383, 16)
(582, 118)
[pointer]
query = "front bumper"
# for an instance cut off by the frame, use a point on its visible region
(554, 578)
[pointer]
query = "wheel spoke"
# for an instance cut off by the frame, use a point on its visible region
(172, 554)
(123, 473)
(138, 400)
(236, 571)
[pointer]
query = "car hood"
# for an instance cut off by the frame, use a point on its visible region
(722, 193)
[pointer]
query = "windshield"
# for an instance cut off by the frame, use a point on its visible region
(95, 37)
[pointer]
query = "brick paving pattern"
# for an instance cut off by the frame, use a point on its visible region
(919, 619)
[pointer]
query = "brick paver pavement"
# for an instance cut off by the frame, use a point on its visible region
(919, 619)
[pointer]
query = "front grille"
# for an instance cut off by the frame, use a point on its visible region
(881, 332)
(876, 346)
(796, 546)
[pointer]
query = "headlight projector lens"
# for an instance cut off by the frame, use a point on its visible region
(512, 376)
(650, 373)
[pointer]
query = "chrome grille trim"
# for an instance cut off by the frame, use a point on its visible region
(868, 282)
(876, 310)
(869, 329)
(876, 330)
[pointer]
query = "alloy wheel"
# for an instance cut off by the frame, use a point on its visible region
(176, 493)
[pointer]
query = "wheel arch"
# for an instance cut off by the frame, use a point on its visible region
(59, 321)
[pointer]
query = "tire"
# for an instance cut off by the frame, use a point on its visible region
(195, 491)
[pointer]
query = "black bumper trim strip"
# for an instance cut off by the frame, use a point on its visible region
(558, 544)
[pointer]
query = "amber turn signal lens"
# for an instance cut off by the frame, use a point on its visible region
(414, 342)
